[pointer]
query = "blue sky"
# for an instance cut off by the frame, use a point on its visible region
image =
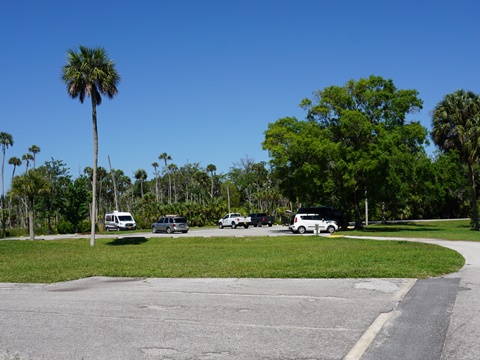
(202, 79)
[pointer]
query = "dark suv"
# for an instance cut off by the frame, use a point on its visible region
(171, 224)
(327, 213)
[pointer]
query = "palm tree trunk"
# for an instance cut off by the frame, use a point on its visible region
(95, 165)
(30, 220)
(473, 192)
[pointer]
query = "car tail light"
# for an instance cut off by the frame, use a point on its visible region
(296, 219)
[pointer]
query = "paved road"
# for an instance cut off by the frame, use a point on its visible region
(104, 318)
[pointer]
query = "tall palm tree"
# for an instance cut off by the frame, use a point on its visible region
(27, 158)
(155, 166)
(456, 126)
(34, 149)
(91, 73)
(211, 169)
(172, 169)
(165, 157)
(6, 140)
(15, 161)
(141, 175)
(30, 185)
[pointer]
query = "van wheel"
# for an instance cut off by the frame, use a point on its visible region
(301, 230)
(168, 230)
(331, 229)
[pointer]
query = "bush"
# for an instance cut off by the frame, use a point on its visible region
(65, 227)
(84, 226)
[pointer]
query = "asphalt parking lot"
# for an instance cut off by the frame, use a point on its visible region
(111, 318)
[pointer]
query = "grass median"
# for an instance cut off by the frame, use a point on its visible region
(254, 257)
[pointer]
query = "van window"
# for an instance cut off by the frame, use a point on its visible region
(125, 218)
(108, 218)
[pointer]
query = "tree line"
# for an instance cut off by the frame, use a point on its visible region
(356, 144)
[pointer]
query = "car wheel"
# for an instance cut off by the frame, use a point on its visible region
(270, 224)
(168, 230)
(154, 230)
(245, 226)
(259, 224)
(234, 226)
(301, 230)
(331, 229)
(184, 232)
(220, 226)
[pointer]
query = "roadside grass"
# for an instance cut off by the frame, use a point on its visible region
(249, 257)
(445, 230)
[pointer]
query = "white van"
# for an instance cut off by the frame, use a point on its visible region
(118, 220)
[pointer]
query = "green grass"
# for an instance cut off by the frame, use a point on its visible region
(256, 257)
(445, 230)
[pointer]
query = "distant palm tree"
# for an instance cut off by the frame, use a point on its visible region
(6, 140)
(155, 166)
(172, 169)
(29, 186)
(27, 158)
(34, 149)
(91, 73)
(164, 156)
(456, 126)
(141, 175)
(15, 161)
(211, 169)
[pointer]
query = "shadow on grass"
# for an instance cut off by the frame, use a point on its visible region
(131, 240)
(397, 227)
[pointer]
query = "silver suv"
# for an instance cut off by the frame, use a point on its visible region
(170, 224)
(302, 223)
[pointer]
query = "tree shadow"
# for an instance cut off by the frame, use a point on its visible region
(130, 240)
(396, 227)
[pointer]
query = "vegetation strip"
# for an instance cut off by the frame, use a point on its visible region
(247, 257)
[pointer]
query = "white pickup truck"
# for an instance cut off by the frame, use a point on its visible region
(233, 220)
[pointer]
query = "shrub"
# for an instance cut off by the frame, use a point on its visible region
(65, 227)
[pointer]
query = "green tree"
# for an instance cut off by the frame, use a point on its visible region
(15, 161)
(76, 201)
(34, 149)
(91, 73)
(52, 203)
(155, 172)
(141, 176)
(211, 170)
(6, 140)
(29, 186)
(456, 127)
(165, 157)
(334, 156)
(27, 158)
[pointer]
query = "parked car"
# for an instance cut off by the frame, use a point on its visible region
(171, 224)
(259, 219)
(327, 213)
(308, 222)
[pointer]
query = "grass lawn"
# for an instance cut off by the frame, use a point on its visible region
(256, 257)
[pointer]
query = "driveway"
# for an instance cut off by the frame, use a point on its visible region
(105, 318)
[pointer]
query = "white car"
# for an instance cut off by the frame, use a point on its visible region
(308, 222)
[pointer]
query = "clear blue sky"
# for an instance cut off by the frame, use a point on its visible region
(202, 79)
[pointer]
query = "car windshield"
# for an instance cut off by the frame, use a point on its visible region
(125, 218)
